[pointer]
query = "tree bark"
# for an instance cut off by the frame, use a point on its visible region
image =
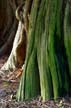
(8, 26)
(67, 33)
(17, 56)
(45, 71)
(18, 52)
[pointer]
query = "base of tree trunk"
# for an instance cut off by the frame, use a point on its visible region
(45, 47)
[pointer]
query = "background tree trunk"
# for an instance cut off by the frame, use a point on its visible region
(17, 56)
(8, 25)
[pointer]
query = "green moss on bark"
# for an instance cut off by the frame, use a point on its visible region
(45, 73)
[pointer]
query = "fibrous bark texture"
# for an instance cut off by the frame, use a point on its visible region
(17, 56)
(47, 64)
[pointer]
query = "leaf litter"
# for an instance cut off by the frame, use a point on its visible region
(9, 83)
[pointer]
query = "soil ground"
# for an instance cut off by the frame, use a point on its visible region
(8, 88)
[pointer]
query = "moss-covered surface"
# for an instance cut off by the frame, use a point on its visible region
(45, 70)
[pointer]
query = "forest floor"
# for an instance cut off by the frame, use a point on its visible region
(8, 88)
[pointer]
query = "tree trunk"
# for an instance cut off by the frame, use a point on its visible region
(8, 25)
(67, 33)
(46, 65)
(47, 70)
(17, 56)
